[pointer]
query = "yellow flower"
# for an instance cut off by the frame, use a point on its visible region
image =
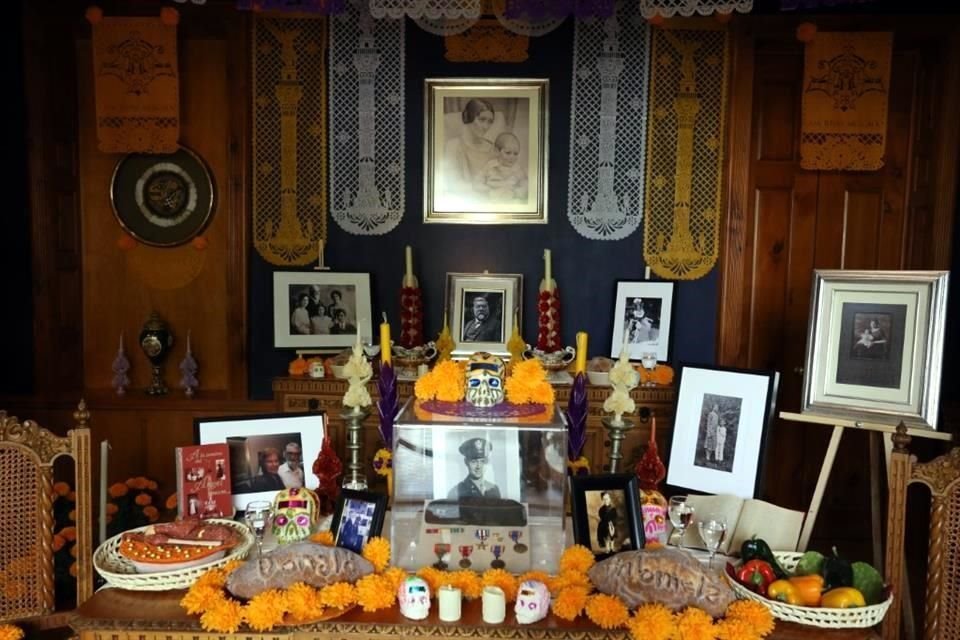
(503, 579)
(118, 490)
(444, 382)
(339, 595)
(695, 624)
(10, 632)
(231, 566)
(223, 616)
(569, 578)
(607, 612)
(570, 602)
(323, 537)
(201, 597)
(580, 463)
(171, 502)
(396, 576)
(467, 581)
(61, 488)
(434, 577)
(377, 551)
(14, 590)
(69, 533)
(382, 462)
(143, 499)
(534, 576)
(374, 592)
(303, 602)
(151, 513)
(577, 558)
(528, 383)
(653, 621)
(265, 610)
(736, 629)
(756, 614)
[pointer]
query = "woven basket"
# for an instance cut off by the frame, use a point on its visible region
(120, 572)
(828, 618)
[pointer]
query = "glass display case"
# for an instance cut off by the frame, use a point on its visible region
(478, 488)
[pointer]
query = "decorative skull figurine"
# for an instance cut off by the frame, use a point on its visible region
(485, 374)
(533, 602)
(414, 597)
(295, 513)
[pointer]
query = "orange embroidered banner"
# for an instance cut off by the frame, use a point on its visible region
(846, 80)
(137, 84)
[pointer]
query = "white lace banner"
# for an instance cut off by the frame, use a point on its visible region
(670, 8)
(430, 9)
(608, 132)
(366, 122)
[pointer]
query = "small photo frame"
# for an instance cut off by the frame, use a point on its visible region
(606, 513)
(875, 348)
(320, 310)
(357, 518)
(642, 317)
(482, 308)
(268, 452)
(721, 423)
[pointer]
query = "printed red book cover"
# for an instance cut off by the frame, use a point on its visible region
(203, 481)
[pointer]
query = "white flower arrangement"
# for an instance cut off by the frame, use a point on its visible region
(623, 378)
(358, 372)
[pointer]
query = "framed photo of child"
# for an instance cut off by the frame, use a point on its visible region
(485, 151)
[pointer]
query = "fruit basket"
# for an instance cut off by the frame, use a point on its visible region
(825, 617)
(122, 572)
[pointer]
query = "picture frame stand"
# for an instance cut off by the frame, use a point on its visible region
(617, 433)
(355, 479)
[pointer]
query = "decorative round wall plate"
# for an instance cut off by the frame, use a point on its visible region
(162, 199)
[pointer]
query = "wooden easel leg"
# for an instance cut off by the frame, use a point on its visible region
(906, 606)
(811, 517)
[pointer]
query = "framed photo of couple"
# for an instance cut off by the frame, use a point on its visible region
(875, 347)
(482, 308)
(485, 150)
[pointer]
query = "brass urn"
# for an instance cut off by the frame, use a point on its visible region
(156, 341)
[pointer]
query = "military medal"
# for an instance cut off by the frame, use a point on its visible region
(465, 551)
(482, 535)
(515, 535)
(441, 549)
(497, 550)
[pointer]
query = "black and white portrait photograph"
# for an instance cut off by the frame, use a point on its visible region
(357, 517)
(717, 438)
(321, 309)
(486, 150)
(606, 513)
(608, 521)
(482, 316)
(871, 346)
(643, 313)
(476, 463)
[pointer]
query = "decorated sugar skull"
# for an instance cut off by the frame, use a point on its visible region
(414, 597)
(533, 602)
(295, 513)
(485, 374)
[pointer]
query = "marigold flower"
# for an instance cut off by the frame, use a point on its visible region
(736, 629)
(118, 490)
(171, 502)
(756, 614)
(569, 603)
(653, 622)
(377, 551)
(695, 624)
(151, 513)
(73, 566)
(433, 577)
(607, 612)
(69, 533)
(445, 382)
(112, 508)
(569, 578)
(323, 537)
(396, 576)
(503, 579)
(374, 592)
(138, 482)
(528, 383)
(230, 567)
(14, 589)
(10, 632)
(201, 597)
(72, 515)
(265, 610)
(73, 551)
(143, 499)
(577, 558)
(534, 576)
(223, 616)
(303, 602)
(152, 485)
(72, 496)
(58, 542)
(467, 581)
(61, 488)
(216, 578)
(339, 595)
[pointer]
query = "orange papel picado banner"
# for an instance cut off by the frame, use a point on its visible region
(846, 81)
(137, 84)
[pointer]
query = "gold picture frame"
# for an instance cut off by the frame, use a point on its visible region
(485, 150)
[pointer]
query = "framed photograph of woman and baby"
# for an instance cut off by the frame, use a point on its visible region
(485, 150)
(323, 310)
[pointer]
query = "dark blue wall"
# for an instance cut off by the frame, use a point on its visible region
(586, 271)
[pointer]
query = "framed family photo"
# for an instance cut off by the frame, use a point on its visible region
(485, 150)
(357, 517)
(482, 308)
(642, 316)
(875, 347)
(721, 424)
(321, 310)
(268, 452)
(606, 513)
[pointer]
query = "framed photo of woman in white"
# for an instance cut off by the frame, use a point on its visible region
(485, 151)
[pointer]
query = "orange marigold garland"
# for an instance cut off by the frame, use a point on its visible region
(444, 382)
(577, 558)
(265, 610)
(695, 624)
(570, 602)
(736, 629)
(222, 616)
(662, 374)
(652, 622)
(374, 592)
(323, 537)
(303, 602)
(503, 579)
(396, 576)
(377, 551)
(199, 598)
(339, 595)
(569, 578)
(528, 383)
(10, 632)
(607, 612)
(433, 577)
(755, 614)
(467, 581)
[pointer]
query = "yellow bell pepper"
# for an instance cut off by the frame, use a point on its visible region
(809, 589)
(783, 591)
(843, 598)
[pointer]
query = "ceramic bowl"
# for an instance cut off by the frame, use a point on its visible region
(337, 370)
(599, 378)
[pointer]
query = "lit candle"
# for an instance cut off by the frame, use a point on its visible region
(546, 271)
(581, 352)
(494, 605)
(104, 447)
(449, 603)
(385, 341)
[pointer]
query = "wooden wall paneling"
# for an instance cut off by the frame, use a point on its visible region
(947, 97)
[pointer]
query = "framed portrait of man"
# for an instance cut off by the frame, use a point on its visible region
(485, 150)
(482, 308)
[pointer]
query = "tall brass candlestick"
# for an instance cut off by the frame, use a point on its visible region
(355, 477)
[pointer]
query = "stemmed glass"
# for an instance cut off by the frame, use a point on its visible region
(713, 529)
(258, 515)
(681, 515)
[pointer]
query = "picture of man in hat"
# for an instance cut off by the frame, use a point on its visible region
(475, 453)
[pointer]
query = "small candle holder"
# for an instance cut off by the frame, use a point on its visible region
(617, 430)
(355, 478)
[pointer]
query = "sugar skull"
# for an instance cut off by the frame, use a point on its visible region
(485, 374)
(533, 602)
(414, 597)
(295, 513)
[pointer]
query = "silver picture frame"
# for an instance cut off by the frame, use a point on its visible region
(875, 345)
(503, 295)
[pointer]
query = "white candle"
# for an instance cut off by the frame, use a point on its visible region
(646, 273)
(320, 252)
(104, 447)
(546, 270)
(494, 605)
(449, 603)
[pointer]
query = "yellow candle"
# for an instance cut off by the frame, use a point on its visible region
(385, 341)
(581, 352)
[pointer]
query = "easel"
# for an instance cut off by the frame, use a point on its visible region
(887, 431)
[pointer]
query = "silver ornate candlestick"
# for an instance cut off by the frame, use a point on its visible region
(355, 477)
(617, 429)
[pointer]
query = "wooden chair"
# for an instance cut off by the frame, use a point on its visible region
(27, 453)
(942, 476)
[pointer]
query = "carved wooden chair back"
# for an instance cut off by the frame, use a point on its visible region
(27, 453)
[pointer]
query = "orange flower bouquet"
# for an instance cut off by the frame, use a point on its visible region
(131, 504)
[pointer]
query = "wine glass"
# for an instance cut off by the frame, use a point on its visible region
(713, 529)
(681, 515)
(258, 515)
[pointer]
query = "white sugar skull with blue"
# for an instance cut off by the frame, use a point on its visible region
(414, 597)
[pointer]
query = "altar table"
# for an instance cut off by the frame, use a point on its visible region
(115, 614)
